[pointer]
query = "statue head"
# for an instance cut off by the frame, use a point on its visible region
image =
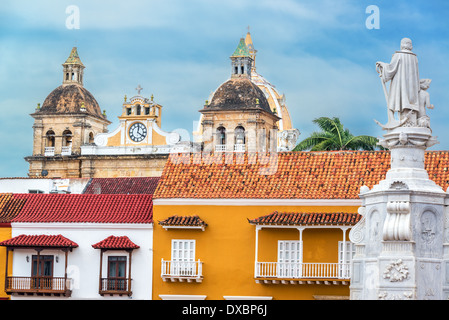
(406, 44)
(424, 84)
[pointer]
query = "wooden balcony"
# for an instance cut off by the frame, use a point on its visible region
(297, 272)
(39, 285)
(120, 286)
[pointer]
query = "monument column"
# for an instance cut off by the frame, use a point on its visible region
(400, 242)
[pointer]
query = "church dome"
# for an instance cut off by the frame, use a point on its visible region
(70, 99)
(239, 94)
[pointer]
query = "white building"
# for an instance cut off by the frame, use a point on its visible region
(42, 185)
(81, 246)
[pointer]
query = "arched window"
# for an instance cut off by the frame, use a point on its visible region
(91, 137)
(67, 138)
(269, 141)
(221, 136)
(50, 138)
(239, 134)
(138, 110)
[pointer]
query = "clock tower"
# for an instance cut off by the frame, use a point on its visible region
(137, 147)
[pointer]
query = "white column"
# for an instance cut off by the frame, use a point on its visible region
(301, 229)
(343, 262)
(256, 250)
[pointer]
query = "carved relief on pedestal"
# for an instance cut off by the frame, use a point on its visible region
(406, 295)
(375, 226)
(396, 271)
(428, 232)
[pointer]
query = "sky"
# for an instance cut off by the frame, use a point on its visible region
(321, 54)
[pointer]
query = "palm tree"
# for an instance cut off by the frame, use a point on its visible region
(335, 137)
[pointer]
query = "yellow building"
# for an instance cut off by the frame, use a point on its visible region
(9, 208)
(232, 226)
(245, 226)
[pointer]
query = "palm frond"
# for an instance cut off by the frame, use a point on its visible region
(335, 137)
(314, 139)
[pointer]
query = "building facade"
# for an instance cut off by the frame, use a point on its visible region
(72, 139)
(231, 111)
(85, 246)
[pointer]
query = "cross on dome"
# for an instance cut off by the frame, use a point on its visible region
(139, 88)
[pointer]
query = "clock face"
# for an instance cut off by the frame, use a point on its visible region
(137, 132)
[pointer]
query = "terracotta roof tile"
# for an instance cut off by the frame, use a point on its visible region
(9, 207)
(135, 185)
(114, 242)
(307, 218)
(85, 208)
(183, 221)
(53, 241)
(287, 175)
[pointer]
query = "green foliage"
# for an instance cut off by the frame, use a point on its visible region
(333, 136)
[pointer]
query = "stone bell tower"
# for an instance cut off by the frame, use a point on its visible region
(401, 249)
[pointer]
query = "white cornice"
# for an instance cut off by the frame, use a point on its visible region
(257, 202)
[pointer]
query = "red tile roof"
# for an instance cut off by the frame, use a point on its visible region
(50, 241)
(301, 218)
(193, 221)
(289, 175)
(84, 208)
(9, 207)
(114, 242)
(134, 185)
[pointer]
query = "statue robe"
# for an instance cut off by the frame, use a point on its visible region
(404, 87)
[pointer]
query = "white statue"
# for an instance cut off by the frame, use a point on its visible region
(288, 139)
(402, 71)
(424, 101)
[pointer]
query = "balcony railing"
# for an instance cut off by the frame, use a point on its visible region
(49, 151)
(115, 286)
(182, 270)
(239, 148)
(297, 270)
(30, 285)
(66, 151)
(220, 148)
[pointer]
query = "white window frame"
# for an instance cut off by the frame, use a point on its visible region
(289, 259)
(183, 257)
(349, 252)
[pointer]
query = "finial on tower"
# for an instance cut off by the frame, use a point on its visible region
(73, 69)
(241, 61)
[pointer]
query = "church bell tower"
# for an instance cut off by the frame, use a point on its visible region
(73, 69)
